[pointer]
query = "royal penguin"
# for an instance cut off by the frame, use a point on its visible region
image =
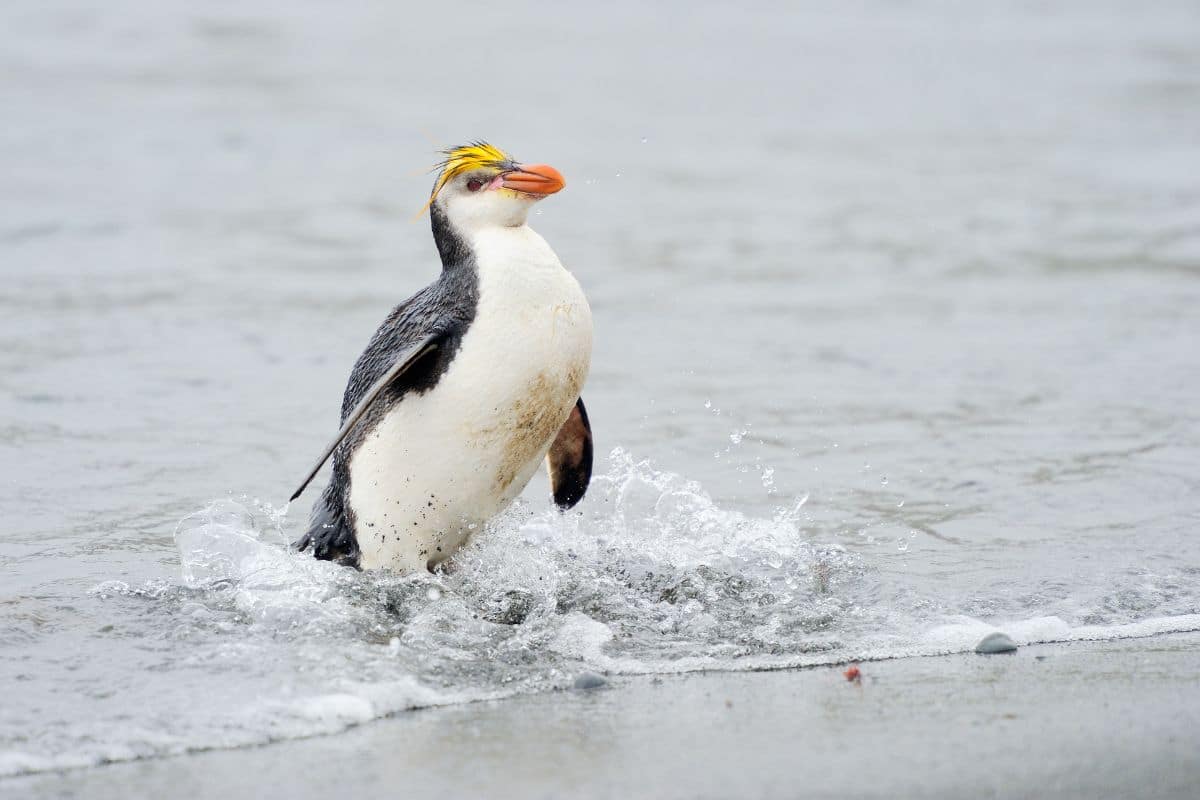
(467, 386)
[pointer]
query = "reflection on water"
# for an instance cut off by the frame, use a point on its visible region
(895, 319)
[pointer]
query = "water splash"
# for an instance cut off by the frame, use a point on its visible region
(651, 558)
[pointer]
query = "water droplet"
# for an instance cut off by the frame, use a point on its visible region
(902, 545)
(768, 477)
(883, 480)
(434, 593)
(900, 504)
(708, 403)
(644, 140)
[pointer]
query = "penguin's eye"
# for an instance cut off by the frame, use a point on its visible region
(474, 185)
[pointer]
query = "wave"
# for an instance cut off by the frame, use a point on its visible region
(256, 643)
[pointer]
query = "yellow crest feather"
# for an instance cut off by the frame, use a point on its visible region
(468, 157)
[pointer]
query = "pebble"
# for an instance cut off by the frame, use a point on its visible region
(996, 643)
(590, 680)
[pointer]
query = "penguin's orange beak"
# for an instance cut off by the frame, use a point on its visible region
(535, 179)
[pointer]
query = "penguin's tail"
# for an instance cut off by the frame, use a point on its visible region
(330, 535)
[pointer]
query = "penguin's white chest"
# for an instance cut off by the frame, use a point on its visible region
(440, 464)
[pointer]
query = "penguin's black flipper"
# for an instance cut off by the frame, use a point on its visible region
(411, 356)
(570, 458)
(330, 537)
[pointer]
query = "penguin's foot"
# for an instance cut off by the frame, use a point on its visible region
(331, 542)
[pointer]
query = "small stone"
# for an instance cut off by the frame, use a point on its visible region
(996, 643)
(589, 680)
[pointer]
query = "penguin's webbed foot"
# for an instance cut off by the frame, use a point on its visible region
(331, 542)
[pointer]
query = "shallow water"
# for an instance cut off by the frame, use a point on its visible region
(896, 335)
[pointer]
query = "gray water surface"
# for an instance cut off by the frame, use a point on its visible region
(896, 343)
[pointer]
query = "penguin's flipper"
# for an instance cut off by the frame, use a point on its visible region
(402, 364)
(329, 535)
(569, 461)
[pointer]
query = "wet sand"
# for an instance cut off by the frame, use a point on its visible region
(1088, 720)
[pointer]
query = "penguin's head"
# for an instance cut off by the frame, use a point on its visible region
(481, 186)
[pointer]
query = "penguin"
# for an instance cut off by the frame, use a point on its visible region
(466, 387)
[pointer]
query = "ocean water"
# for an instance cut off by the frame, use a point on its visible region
(896, 345)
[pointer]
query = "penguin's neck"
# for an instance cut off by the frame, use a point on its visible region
(498, 254)
(514, 255)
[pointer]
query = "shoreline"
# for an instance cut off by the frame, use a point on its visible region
(1085, 718)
